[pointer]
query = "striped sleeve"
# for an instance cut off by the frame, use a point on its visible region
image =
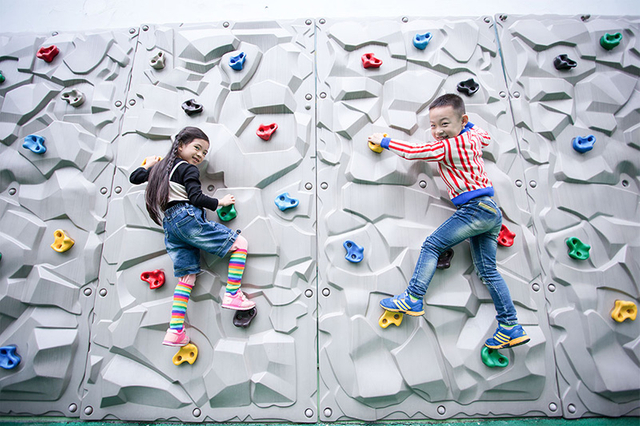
(430, 151)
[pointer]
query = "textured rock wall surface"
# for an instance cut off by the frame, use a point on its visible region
(89, 329)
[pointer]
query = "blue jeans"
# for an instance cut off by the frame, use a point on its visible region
(187, 231)
(479, 220)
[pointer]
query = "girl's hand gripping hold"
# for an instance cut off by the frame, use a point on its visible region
(227, 200)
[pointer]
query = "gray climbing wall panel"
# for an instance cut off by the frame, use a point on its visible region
(47, 297)
(593, 196)
(89, 329)
(428, 367)
(266, 371)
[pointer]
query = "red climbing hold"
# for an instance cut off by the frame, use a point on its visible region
(505, 238)
(266, 130)
(154, 278)
(48, 53)
(370, 61)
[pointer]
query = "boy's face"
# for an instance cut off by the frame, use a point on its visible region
(446, 122)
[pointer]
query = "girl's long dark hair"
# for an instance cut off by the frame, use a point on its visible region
(157, 193)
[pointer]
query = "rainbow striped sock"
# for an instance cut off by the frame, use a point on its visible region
(236, 269)
(180, 300)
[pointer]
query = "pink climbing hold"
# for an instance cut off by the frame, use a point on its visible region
(369, 60)
(48, 53)
(266, 130)
(505, 238)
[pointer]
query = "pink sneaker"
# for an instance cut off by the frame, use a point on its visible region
(237, 301)
(175, 338)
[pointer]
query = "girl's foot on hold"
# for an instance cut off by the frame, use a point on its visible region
(237, 301)
(175, 338)
(507, 337)
(403, 303)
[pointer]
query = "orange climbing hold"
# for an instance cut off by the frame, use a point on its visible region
(188, 353)
(623, 310)
(62, 241)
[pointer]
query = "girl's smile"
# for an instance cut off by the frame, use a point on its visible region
(194, 152)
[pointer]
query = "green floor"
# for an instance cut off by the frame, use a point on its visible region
(623, 421)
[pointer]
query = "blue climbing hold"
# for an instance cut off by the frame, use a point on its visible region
(420, 41)
(284, 201)
(8, 357)
(582, 144)
(35, 144)
(237, 62)
(355, 253)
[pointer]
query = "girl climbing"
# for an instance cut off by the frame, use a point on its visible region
(174, 191)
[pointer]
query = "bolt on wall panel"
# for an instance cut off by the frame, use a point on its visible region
(428, 367)
(47, 296)
(591, 194)
(266, 372)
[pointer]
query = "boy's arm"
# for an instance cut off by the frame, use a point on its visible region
(430, 151)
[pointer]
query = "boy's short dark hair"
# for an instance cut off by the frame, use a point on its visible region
(451, 100)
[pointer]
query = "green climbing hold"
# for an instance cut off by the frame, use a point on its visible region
(227, 213)
(1, 78)
(578, 249)
(609, 41)
(492, 358)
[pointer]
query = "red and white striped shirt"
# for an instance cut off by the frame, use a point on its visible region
(459, 162)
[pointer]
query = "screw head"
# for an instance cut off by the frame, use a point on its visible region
(518, 183)
(552, 287)
(103, 190)
(571, 408)
(553, 406)
(503, 94)
(324, 185)
(87, 291)
(516, 94)
(308, 22)
(442, 410)
(328, 412)
(103, 292)
(145, 28)
(73, 408)
(322, 21)
(12, 191)
(625, 183)
(308, 96)
(210, 188)
(308, 186)
(487, 19)
(225, 24)
(423, 184)
(88, 410)
(405, 19)
(118, 189)
(503, 18)
(308, 412)
(196, 412)
(118, 104)
(308, 293)
(326, 292)
(323, 95)
(533, 183)
(535, 287)
(55, 33)
(132, 102)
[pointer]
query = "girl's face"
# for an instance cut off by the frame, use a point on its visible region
(194, 152)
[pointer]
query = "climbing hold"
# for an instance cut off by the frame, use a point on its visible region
(227, 213)
(62, 241)
(583, 144)
(609, 41)
(284, 201)
(35, 144)
(237, 62)
(468, 87)
(187, 353)
(74, 97)
(243, 318)
(191, 107)
(355, 253)
(9, 359)
(1, 77)
(157, 62)
(266, 130)
(420, 41)
(154, 278)
(145, 160)
(492, 358)
(388, 317)
(444, 260)
(48, 53)
(376, 148)
(578, 249)
(623, 310)
(505, 238)
(370, 61)
(562, 62)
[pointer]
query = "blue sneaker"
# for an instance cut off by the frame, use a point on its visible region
(403, 303)
(504, 338)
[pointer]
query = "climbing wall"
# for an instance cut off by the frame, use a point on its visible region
(47, 296)
(265, 371)
(591, 196)
(88, 329)
(389, 205)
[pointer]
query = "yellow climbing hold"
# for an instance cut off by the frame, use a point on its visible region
(376, 148)
(187, 353)
(389, 317)
(624, 309)
(145, 160)
(62, 242)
